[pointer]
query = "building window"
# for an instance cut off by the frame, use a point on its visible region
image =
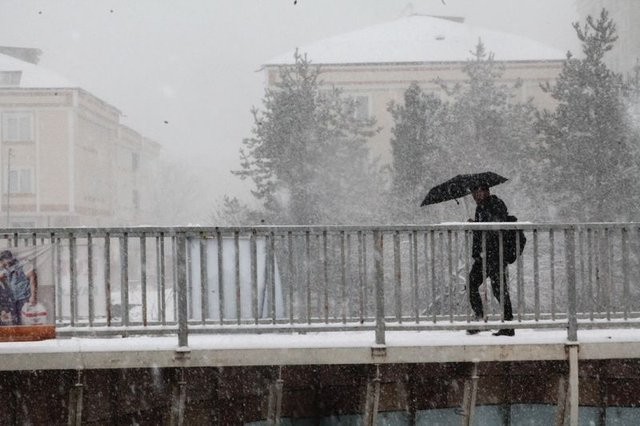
(363, 108)
(10, 78)
(17, 126)
(19, 181)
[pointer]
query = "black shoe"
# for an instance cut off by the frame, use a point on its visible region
(473, 331)
(505, 332)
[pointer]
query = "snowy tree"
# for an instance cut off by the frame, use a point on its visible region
(588, 169)
(308, 155)
(489, 128)
(418, 150)
(480, 127)
(230, 211)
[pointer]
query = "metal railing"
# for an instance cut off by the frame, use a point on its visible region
(184, 280)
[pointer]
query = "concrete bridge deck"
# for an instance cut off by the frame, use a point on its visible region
(315, 348)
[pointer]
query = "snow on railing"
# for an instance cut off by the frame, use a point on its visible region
(167, 280)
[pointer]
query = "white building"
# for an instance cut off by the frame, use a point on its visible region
(65, 157)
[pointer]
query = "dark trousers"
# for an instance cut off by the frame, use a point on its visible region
(493, 273)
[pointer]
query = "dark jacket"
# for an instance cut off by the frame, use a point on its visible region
(494, 210)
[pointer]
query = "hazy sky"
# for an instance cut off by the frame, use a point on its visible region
(185, 73)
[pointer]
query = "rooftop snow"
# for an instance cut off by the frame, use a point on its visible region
(420, 38)
(33, 76)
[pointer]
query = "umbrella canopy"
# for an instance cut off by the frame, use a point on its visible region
(460, 186)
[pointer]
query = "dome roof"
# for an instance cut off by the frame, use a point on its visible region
(419, 39)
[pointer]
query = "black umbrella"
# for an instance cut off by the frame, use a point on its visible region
(460, 186)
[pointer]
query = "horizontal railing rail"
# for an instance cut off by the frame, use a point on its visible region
(183, 280)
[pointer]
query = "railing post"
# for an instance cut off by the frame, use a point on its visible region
(379, 271)
(570, 260)
(181, 260)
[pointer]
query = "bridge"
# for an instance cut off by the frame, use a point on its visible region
(288, 296)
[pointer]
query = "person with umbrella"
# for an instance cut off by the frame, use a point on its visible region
(489, 208)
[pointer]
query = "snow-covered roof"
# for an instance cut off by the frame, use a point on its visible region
(32, 76)
(418, 39)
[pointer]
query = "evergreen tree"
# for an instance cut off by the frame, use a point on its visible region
(480, 128)
(418, 154)
(308, 155)
(587, 167)
(489, 128)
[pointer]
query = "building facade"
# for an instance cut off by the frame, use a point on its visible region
(66, 159)
(377, 64)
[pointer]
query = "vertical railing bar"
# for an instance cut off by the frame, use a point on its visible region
(443, 278)
(582, 265)
(221, 292)
(73, 292)
(236, 246)
(414, 277)
(272, 280)
(325, 276)
(124, 278)
(590, 259)
(597, 269)
(162, 301)
(107, 277)
(501, 272)
(180, 244)
(625, 272)
(319, 264)
(143, 277)
(174, 274)
(189, 274)
(307, 242)
(56, 263)
(290, 276)
(432, 236)
(349, 272)
(365, 280)
(90, 281)
(610, 287)
(378, 259)
(536, 276)
(343, 276)
(520, 282)
(361, 283)
(467, 270)
(570, 260)
(157, 263)
(397, 274)
(552, 273)
(253, 242)
(425, 238)
(450, 273)
(204, 278)
(487, 299)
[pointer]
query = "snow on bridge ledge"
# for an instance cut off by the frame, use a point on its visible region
(356, 347)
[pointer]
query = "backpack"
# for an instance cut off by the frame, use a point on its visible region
(511, 252)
